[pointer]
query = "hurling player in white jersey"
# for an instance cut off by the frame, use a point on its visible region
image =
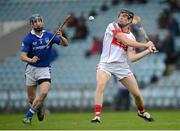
(37, 72)
(118, 48)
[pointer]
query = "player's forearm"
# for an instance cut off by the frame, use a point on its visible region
(25, 58)
(138, 56)
(64, 41)
(132, 43)
(135, 44)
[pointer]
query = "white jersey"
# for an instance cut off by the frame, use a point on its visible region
(114, 51)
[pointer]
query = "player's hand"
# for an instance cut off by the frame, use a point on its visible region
(59, 33)
(34, 59)
(152, 49)
(149, 44)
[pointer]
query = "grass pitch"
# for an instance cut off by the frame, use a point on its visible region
(165, 120)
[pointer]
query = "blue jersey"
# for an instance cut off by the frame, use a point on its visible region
(34, 45)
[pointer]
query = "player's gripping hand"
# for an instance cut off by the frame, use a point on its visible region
(152, 49)
(34, 59)
(149, 44)
(59, 33)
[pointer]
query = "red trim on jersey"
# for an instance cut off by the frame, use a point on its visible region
(116, 31)
(116, 43)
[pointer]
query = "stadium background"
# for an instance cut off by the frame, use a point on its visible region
(73, 73)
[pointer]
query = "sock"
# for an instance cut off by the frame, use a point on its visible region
(97, 110)
(30, 113)
(141, 109)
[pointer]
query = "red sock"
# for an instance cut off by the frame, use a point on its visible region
(141, 109)
(97, 110)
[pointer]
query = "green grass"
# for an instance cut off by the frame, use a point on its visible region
(165, 120)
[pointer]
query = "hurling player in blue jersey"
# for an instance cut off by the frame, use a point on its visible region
(38, 58)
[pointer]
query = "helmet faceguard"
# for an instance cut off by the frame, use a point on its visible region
(34, 18)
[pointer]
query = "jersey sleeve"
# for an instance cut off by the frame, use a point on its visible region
(113, 29)
(25, 45)
(57, 40)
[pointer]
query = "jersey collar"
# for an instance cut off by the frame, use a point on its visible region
(33, 33)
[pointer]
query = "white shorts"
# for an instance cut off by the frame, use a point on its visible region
(33, 74)
(120, 70)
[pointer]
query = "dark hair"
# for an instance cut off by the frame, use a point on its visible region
(129, 13)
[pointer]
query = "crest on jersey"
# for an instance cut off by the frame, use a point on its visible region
(34, 43)
(46, 39)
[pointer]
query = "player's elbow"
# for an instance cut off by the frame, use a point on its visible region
(23, 56)
(65, 44)
(23, 59)
(132, 59)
